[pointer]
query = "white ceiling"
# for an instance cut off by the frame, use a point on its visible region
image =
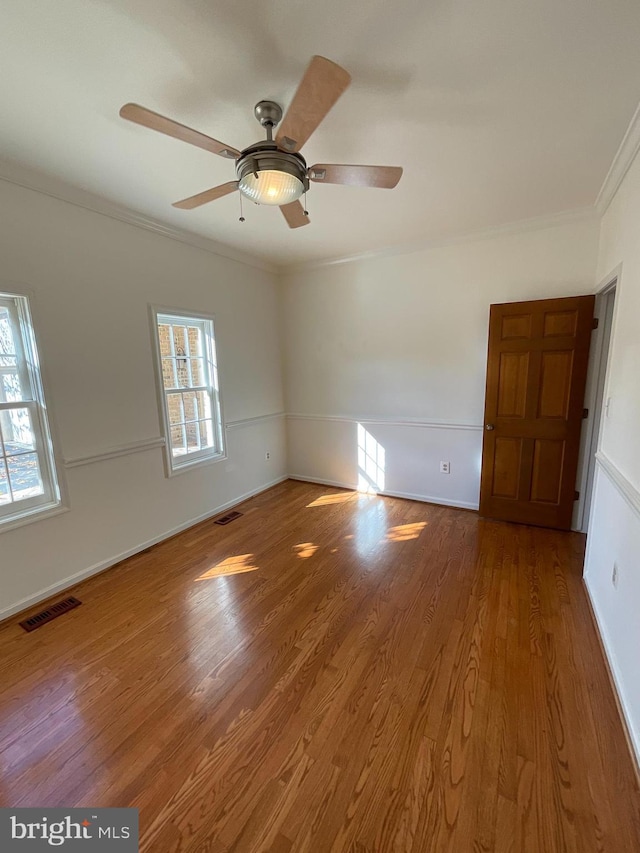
(498, 111)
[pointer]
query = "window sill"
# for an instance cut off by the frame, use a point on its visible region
(31, 516)
(196, 463)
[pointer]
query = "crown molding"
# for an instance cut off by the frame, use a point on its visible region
(520, 226)
(623, 159)
(45, 185)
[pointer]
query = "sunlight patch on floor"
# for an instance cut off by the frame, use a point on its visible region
(327, 500)
(305, 549)
(231, 566)
(404, 532)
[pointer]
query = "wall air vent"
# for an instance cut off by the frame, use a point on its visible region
(52, 612)
(230, 516)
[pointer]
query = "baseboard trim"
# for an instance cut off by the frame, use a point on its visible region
(634, 749)
(103, 565)
(427, 499)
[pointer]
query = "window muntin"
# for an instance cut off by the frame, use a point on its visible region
(27, 471)
(191, 399)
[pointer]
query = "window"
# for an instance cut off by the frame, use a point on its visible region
(188, 375)
(28, 482)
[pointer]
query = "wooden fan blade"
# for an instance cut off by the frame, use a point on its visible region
(206, 196)
(294, 214)
(147, 118)
(319, 89)
(384, 177)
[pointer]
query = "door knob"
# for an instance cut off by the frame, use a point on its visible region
(489, 426)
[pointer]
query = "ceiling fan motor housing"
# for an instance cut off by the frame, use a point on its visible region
(268, 113)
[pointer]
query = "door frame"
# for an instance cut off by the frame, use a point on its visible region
(596, 393)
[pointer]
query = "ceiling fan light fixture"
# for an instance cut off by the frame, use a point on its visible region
(271, 186)
(267, 175)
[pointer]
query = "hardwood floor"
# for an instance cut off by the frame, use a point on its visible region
(371, 675)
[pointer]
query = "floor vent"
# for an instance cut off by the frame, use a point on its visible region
(50, 613)
(230, 516)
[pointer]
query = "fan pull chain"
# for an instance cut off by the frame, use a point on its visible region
(306, 212)
(241, 216)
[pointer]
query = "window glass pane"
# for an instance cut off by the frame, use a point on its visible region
(174, 405)
(196, 405)
(164, 338)
(194, 336)
(17, 431)
(179, 341)
(190, 406)
(206, 433)
(169, 373)
(182, 370)
(24, 475)
(193, 437)
(7, 344)
(178, 446)
(10, 389)
(204, 404)
(197, 371)
(5, 496)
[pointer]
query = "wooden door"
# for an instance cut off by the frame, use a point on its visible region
(536, 374)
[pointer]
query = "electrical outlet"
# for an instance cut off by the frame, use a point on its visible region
(445, 468)
(614, 575)
(267, 455)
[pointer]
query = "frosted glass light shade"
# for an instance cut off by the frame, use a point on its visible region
(270, 186)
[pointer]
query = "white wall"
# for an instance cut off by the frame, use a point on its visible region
(92, 278)
(398, 343)
(614, 530)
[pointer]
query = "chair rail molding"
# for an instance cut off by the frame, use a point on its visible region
(258, 419)
(405, 422)
(624, 486)
(113, 452)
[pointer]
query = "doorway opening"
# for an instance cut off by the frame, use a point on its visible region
(595, 401)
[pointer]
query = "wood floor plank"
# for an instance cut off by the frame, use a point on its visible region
(330, 672)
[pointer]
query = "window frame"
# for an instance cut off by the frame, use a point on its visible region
(189, 461)
(19, 303)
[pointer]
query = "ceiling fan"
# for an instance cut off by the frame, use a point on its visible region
(273, 171)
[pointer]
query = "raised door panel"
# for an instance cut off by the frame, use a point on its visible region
(515, 327)
(507, 463)
(546, 476)
(555, 384)
(512, 384)
(558, 324)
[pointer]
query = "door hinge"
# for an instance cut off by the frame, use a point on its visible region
(585, 413)
(596, 323)
(576, 495)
